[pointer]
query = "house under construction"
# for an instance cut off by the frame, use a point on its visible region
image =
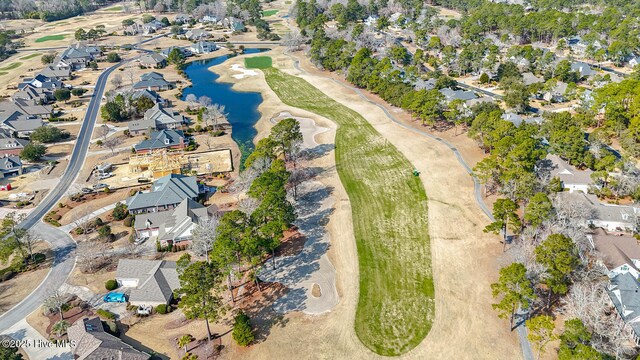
(159, 163)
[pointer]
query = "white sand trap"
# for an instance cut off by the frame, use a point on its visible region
(308, 127)
(245, 72)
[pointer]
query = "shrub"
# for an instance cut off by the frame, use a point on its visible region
(7, 274)
(128, 221)
(119, 212)
(79, 231)
(105, 314)
(99, 222)
(242, 331)
(105, 231)
(99, 142)
(162, 309)
(111, 284)
(37, 258)
(56, 216)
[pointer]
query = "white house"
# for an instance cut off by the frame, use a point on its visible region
(609, 217)
(571, 178)
(203, 47)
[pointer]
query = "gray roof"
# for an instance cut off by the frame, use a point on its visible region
(168, 190)
(171, 224)
(624, 291)
(8, 142)
(197, 34)
(583, 68)
(56, 72)
(567, 173)
(528, 78)
(10, 162)
(157, 116)
(599, 211)
(161, 139)
(149, 94)
(451, 94)
(421, 84)
(152, 79)
(513, 118)
(152, 59)
(157, 279)
(91, 342)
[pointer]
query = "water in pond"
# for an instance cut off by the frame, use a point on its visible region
(242, 107)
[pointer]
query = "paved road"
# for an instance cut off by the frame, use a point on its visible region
(522, 331)
(61, 243)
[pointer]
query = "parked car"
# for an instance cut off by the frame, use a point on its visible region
(105, 176)
(99, 186)
(87, 191)
(115, 297)
(144, 309)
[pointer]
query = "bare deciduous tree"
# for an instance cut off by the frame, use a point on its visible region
(204, 101)
(54, 302)
(204, 236)
(112, 143)
(248, 205)
(116, 81)
(293, 40)
(192, 100)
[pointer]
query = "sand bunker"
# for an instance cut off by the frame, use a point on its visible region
(308, 127)
(245, 72)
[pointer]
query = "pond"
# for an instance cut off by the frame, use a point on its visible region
(241, 107)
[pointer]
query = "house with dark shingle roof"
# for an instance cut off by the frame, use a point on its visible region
(163, 139)
(10, 165)
(618, 253)
(165, 194)
(153, 81)
(151, 95)
(77, 57)
(450, 94)
(153, 281)
(153, 60)
(171, 227)
(89, 341)
(10, 145)
(624, 292)
(57, 72)
(157, 118)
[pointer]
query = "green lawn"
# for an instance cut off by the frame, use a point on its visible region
(115, 8)
(3, 73)
(389, 207)
(12, 66)
(30, 56)
(258, 62)
(269, 13)
(51, 38)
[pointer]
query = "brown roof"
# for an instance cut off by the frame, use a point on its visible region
(616, 250)
(91, 342)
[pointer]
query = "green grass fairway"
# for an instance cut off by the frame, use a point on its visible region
(389, 207)
(12, 66)
(50, 38)
(3, 73)
(114, 9)
(258, 62)
(30, 56)
(269, 13)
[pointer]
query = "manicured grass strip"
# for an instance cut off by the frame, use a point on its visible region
(3, 73)
(12, 66)
(389, 208)
(269, 13)
(30, 56)
(51, 38)
(115, 8)
(258, 62)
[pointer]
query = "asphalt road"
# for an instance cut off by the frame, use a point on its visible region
(521, 329)
(62, 244)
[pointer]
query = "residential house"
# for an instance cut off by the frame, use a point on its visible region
(624, 292)
(57, 72)
(571, 178)
(529, 78)
(513, 118)
(209, 19)
(89, 341)
(556, 94)
(43, 82)
(152, 281)
(16, 118)
(483, 99)
(157, 118)
(151, 95)
(183, 19)
(171, 227)
(163, 139)
(151, 27)
(76, 57)
(204, 47)
(166, 193)
(610, 217)
(634, 61)
(10, 165)
(233, 24)
(583, 69)
(421, 84)
(618, 253)
(154, 60)
(463, 95)
(166, 52)
(371, 21)
(10, 145)
(133, 29)
(196, 34)
(153, 81)
(28, 92)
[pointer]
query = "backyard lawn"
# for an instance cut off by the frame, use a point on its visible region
(50, 38)
(269, 13)
(389, 207)
(258, 62)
